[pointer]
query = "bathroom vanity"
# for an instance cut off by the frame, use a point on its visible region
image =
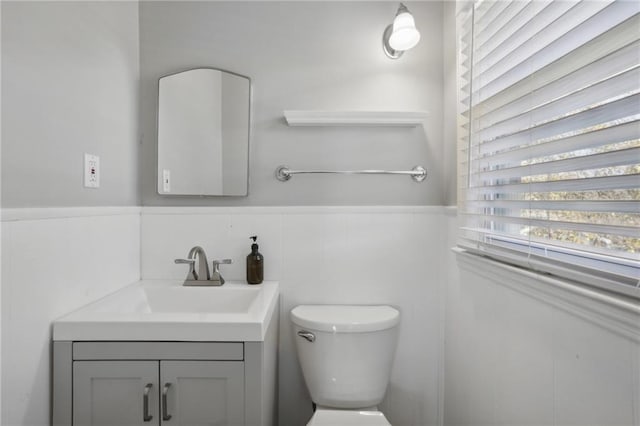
(159, 353)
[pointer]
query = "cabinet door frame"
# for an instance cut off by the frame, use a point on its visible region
(232, 372)
(145, 372)
(62, 387)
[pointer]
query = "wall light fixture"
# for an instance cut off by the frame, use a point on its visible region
(401, 35)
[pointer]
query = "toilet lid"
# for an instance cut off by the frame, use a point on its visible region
(348, 418)
(345, 318)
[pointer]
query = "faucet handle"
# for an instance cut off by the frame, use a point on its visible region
(221, 262)
(188, 261)
(215, 274)
(217, 263)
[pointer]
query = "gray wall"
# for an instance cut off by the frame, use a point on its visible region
(306, 55)
(70, 75)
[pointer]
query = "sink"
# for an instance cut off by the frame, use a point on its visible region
(167, 310)
(200, 299)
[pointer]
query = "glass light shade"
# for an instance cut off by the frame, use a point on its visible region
(404, 35)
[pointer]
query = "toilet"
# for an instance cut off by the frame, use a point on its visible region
(346, 353)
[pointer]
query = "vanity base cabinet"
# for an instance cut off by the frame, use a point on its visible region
(134, 384)
(108, 383)
(145, 393)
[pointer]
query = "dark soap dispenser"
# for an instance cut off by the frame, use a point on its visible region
(255, 264)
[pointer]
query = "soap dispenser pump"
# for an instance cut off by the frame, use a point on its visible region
(255, 262)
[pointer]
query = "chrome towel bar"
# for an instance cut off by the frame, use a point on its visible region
(418, 173)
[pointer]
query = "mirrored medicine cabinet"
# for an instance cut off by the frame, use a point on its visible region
(203, 133)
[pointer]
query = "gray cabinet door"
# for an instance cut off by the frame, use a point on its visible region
(115, 393)
(202, 393)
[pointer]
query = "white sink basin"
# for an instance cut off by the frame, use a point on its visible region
(200, 299)
(167, 310)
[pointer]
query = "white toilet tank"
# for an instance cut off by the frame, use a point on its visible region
(346, 352)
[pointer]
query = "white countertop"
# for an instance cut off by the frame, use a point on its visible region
(165, 310)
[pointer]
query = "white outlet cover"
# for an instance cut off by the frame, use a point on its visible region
(91, 171)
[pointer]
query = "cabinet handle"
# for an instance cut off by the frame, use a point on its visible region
(146, 417)
(165, 410)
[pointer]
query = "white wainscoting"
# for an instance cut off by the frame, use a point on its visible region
(525, 349)
(359, 255)
(54, 261)
(513, 355)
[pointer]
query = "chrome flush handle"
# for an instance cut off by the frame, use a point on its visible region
(307, 335)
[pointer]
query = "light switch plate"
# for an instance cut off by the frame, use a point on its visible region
(91, 171)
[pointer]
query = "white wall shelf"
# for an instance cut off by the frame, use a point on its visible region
(354, 118)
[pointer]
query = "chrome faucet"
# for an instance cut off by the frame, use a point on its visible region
(196, 255)
(203, 276)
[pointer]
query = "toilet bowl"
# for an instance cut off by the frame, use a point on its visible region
(346, 353)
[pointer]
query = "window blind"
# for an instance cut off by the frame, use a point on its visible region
(549, 136)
